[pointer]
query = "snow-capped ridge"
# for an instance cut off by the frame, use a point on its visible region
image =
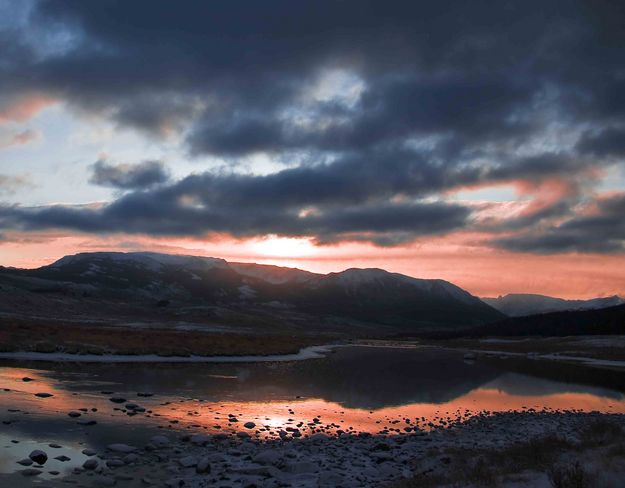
(151, 260)
(276, 275)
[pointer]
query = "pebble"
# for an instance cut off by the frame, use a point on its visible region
(90, 464)
(121, 448)
(31, 472)
(38, 456)
(203, 466)
(188, 461)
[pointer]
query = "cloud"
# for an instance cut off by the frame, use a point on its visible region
(388, 198)
(9, 184)
(19, 138)
(602, 230)
(422, 100)
(327, 201)
(608, 142)
(126, 177)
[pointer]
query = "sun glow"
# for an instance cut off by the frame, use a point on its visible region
(284, 247)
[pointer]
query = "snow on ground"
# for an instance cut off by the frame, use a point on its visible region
(305, 353)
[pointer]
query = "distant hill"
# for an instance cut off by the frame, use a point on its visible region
(605, 321)
(519, 304)
(190, 284)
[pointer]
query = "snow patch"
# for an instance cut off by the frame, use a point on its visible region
(312, 352)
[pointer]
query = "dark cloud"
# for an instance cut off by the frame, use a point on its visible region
(605, 143)
(126, 177)
(143, 214)
(377, 107)
(481, 72)
(602, 231)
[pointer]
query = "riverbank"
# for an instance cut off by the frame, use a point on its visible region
(133, 340)
(522, 448)
(599, 351)
(305, 353)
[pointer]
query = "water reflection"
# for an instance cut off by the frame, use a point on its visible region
(358, 388)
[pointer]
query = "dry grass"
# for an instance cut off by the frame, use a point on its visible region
(555, 457)
(573, 476)
(98, 339)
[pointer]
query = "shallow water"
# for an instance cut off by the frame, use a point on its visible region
(373, 389)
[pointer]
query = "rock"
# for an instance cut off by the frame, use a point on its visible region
(267, 457)
(115, 463)
(43, 395)
(203, 466)
(188, 461)
(121, 448)
(25, 462)
(124, 477)
(130, 458)
(74, 414)
(31, 472)
(301, 467)
(259, 471)
(38, 456)
(89, 452)
(105, 481)
(161, 440)
(55, 446)
(200, 439)
(63, 458)
(249, 425)
(90, 464)
(381, 446)
(174, 483)
(243, 435)
(330, 478)
(87, 422)
(117, 400)
(54, 472)
(26, 379)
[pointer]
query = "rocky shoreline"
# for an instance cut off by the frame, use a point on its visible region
(318, 455)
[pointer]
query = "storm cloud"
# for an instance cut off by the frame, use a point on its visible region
(378, 110)
(603, 230)
(125, 176)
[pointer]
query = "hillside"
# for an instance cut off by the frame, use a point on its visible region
(605, 321)
(210, 291)
(519, 304)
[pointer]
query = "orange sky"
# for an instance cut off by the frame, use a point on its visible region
(460, 258)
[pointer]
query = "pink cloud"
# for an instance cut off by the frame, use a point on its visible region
(24, 107)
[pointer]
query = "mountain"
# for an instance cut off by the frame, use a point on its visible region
(519, 304)
(273, 274)
(604, 321)
(200, 290)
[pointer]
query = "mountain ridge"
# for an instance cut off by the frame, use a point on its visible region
(365, 296)
(521, 304)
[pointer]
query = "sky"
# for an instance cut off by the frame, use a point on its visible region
(477, 142)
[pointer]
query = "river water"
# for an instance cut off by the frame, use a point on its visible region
(388, 390)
